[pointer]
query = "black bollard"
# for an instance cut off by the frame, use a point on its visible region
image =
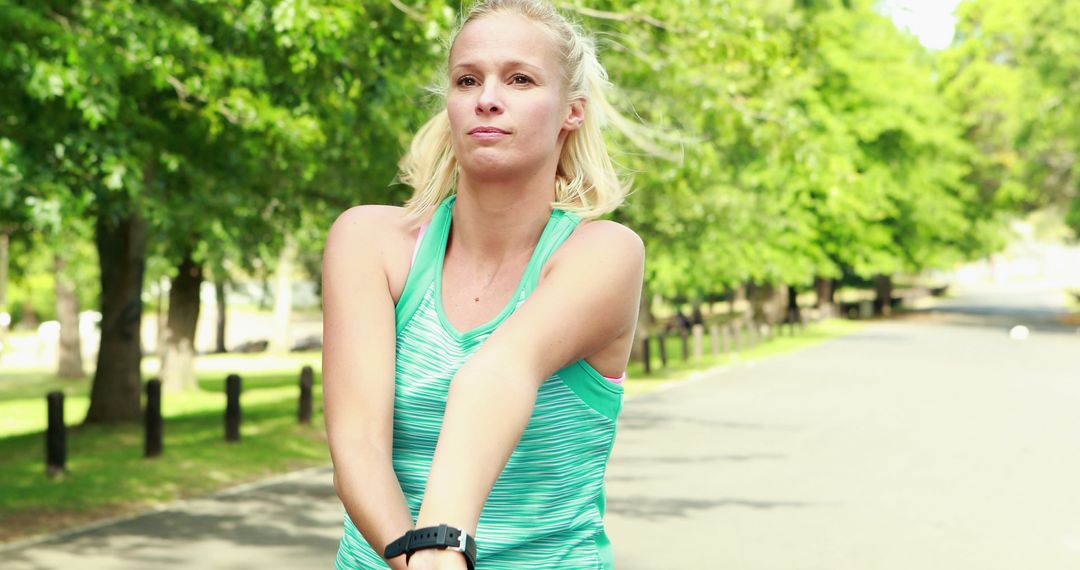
(155, 425)
(232, 408)
(307, 380)
(663, 349)
(55, 436)
(646, 356)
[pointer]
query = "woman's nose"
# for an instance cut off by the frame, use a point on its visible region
(488, 102)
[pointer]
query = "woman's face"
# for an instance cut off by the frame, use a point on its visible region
(506, 103)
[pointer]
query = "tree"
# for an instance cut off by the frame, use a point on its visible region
(1011, 75)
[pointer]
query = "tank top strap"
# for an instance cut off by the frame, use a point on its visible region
(561, 225)
(425, 262)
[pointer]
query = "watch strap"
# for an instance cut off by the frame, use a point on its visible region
(441, 536)
(398, 546)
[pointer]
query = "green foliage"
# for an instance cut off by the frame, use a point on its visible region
(817, 144)
(1013, 75)
(817, 139)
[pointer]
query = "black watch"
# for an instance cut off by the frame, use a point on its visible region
(440, 537)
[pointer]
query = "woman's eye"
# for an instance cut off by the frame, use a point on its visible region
(466, 81)
(520, 79)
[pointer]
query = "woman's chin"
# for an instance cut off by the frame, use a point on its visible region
(492, 165)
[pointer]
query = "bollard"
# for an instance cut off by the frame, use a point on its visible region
(55, 436)
(663, 349)
(152, 420)
(232, 408)
(736, 328)
(307, 380)
(714, 337)
(725, 338)
(699, 342)
(646, 356)
(685, 338)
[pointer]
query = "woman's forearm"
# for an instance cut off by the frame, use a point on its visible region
(369, 489)
(487, 411)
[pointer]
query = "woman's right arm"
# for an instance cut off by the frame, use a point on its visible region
(358, 376)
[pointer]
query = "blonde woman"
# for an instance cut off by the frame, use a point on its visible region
(476, 339)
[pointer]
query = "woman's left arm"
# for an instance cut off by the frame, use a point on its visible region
(588, 299)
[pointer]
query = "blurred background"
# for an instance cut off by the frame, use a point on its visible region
(169, 170)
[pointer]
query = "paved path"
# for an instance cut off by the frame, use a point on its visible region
(290, 522)
(932, 443)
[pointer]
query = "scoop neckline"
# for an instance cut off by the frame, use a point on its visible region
(510, 305)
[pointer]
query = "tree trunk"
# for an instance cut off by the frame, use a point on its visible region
(644, 322)
(67, 312)
(696, 317)
(738, 297)
(883, 302)
(825, 295)
(794, 315)
(768, 302)
(282, 341)
(160, 318)
(178, 356)
(219, 300)
(5, 247)
(5, 244)
(117, 387)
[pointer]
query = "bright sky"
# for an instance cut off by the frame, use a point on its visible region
(931, 20)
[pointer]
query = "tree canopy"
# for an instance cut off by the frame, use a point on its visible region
(814, 139)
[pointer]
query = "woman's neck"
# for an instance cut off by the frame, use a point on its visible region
(496, 223)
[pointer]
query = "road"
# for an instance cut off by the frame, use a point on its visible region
(932, 442)
(936, 442)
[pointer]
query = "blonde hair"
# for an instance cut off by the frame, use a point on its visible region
(587, 181)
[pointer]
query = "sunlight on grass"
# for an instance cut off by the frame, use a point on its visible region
(265, 378)
(679, 369)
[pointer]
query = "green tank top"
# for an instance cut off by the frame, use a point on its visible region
(546, 508)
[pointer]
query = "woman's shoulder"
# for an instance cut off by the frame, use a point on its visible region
(375, 229)
(604, 234)
(372, 216)
(592, 238)
(373, 223)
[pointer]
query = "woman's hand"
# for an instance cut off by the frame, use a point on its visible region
(436, 559)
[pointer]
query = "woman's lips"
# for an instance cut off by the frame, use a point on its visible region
(488, 133)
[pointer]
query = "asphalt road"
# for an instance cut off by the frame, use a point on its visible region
(935, 442)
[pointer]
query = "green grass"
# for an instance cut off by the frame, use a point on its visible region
(22, 392)
(107, 474)
(679, 369)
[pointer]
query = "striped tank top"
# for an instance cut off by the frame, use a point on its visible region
(546, 509)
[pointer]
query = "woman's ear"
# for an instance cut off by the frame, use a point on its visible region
(576, 117)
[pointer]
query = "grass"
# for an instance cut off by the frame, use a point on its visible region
(679, 369)
(107, 474)
(22, 391)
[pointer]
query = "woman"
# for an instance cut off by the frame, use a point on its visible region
(475, 340)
